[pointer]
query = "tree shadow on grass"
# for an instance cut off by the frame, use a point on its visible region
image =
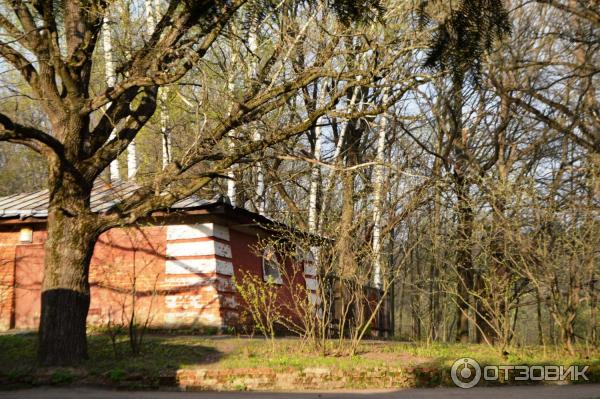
(155, 366)
(159, 355)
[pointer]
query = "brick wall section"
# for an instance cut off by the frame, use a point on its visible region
(198, 258)
(243, 248)
(174, 276)
(28, 284)
(24, 283)
(126, 273)
(322, 378)
(247, 258)
(8, 241)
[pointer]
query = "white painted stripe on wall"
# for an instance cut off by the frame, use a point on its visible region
(310, 270)
(199, 248)
(223, 250)
(185, 302)
(224, 267)
(311, 284)
(314, 299)
(190, 231)
(191, 266)
(190, 318)
(188, 281)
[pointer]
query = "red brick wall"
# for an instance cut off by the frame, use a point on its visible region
(247, 258)
(128, 261)
(20, 283)
(127, 270)
(28, 284)
(8, 241)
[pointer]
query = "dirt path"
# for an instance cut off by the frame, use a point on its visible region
(587, 391)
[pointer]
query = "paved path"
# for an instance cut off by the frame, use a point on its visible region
(587, 391)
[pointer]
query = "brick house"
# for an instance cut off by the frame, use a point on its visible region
(176, 266)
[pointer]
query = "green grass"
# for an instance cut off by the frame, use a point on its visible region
(168, 353)
(446, 354)
(160, 354)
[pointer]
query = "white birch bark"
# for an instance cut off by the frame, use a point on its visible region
(131, 160)
(378, 193)
(231, 183)
(314, 183)
(260, 181)
(111, 78)
(131, 149)
(164, 127)
(316, 169)
(231, 187)
(260, 190)
(132, 164)
(150, 16)
(153, 18)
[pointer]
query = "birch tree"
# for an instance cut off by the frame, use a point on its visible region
(110, 73)
(378, 189)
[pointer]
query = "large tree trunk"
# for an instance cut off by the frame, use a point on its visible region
(345, 243)
(65, 289)
(489, 318)
(464, 257)
(459, 141)
(464, 266)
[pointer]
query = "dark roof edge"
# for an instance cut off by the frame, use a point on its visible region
(220, 206)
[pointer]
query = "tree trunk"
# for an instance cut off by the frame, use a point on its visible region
(65, 289)
(569, 336)
(465, 263)
(111, 77)
(345, 243)
(378, 177)
(489, 319)
(336, 160)
(593, 333)
(415, 305)
(540, 329)
(315, 173)
(434, 286)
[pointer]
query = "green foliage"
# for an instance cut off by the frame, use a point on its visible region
(61, 377)
(261, 302)
(116, 374)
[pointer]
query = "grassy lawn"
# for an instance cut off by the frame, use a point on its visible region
(164, 354)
